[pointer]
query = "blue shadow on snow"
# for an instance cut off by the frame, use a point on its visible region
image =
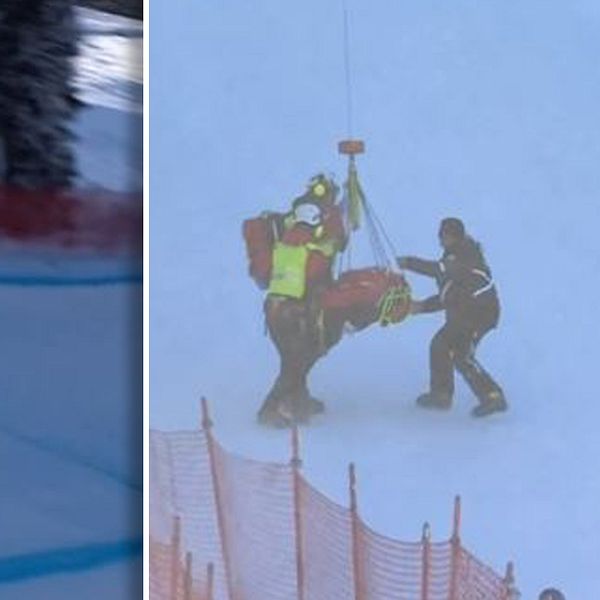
(66, 560)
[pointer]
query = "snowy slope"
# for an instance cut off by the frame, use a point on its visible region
(110, 60)
(70, 443)
(488, 111)
(69, 439)
(115, 581)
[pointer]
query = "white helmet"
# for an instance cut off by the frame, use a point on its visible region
(308, 213)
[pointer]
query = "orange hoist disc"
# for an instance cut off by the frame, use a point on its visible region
(351, 147)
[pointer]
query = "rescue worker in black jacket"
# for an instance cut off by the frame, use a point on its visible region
(468, 295)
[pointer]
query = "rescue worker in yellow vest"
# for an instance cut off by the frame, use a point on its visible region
(307, 240)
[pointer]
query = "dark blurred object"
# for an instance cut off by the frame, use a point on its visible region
(38, 39)
(551, 594)
(127, 8)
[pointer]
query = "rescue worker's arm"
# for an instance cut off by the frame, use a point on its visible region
(430, 268)
(429, 305)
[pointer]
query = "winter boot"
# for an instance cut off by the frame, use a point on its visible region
(269, 415)
(298, 409)
(276, 416)
(312, 405)
(317, 407)
(494, 402)
(435, 400)
(273, 412)
(291, 408)
(307, 406)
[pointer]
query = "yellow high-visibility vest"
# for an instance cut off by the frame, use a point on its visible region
(288, 272)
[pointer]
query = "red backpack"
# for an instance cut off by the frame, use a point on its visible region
(260, 234)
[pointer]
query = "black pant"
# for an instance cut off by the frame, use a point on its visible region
(453, 347)
(293, 330)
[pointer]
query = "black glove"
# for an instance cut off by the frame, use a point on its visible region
(403, 262)
(416, 307)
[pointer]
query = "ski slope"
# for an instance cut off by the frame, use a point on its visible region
(486, 111)
(70, 385)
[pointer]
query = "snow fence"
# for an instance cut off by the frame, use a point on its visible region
(223, 527)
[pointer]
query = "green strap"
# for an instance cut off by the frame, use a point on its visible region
(356, 197)
(389, 302)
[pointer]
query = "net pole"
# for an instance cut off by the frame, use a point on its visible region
(296, 464)
(357, 563)
(510, 589)
(425, 562)
(455, 550)
(175, 556)
(210, 582)
(217, 491)
(187, 582)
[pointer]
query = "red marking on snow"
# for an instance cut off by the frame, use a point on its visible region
(71, 219)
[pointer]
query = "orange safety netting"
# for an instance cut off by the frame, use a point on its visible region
(267, 534)
(172, 578)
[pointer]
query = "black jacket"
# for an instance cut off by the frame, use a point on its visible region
(466, 290)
